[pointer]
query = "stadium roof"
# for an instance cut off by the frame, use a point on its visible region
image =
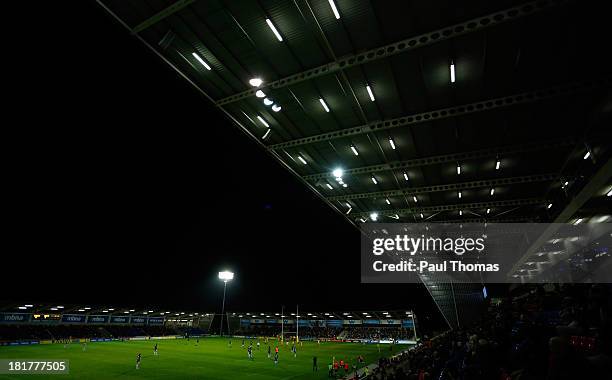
(90, 309)
(48, 308)
(432, 111)
(357, 315)
(370, 91)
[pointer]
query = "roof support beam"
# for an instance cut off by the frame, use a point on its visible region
(451, 112)
(595, 184)
(503, 151)
(448, 187)
(518, 219)
(409, 44)
(455, 207)
(172, 9)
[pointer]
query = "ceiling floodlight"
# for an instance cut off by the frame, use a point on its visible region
(255, 82)
(302, 159)
(260, 94)
(275, 107)
(452, 72)
(355, 152)
(374, 216)
(338, 173)
(268, 102)
(405, 176)
(374, 181)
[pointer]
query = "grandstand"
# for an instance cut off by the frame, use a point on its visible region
(20, 324)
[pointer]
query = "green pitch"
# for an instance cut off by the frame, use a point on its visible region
(182, 359)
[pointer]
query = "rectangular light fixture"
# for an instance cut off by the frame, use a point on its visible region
(334, 9)
(265, 123)
(388, 201)
(488, 210)
(355, 152)
(405, 176)
(609, 193)
(203, 62)
(415, 199)
(587, 155)
(459, 194)
(549, 206)
(324, 104)
(460, 212)
(330, 186)
(578, 221)
(391, 143)
(266, 134)
(276, 33)
(452, 72)
(492, 191)
(497, 165)
(370, 93)
(303, 160)
(422, 216)
(374, 180)
(458, 169)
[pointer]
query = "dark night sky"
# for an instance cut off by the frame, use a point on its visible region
(124, 185)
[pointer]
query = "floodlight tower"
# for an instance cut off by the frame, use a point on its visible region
(225, 276)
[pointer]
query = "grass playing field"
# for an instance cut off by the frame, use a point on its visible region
(182, 359)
